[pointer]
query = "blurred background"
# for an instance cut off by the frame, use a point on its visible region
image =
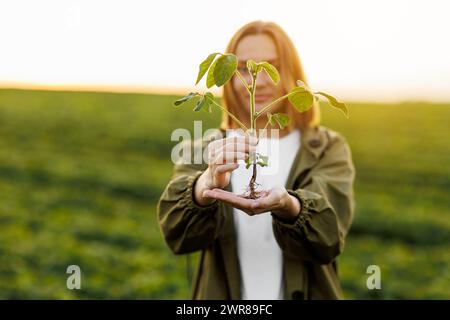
(86, 92)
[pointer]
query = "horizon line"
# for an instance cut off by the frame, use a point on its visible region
(165, 90)
(177, 90)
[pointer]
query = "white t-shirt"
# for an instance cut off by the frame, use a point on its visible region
(260, 257)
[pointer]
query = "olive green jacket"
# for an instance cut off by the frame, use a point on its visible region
(321, 177)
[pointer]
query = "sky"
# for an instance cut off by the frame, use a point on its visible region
(384, 50)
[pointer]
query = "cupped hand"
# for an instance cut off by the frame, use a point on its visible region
(223, 157)
(276, 200)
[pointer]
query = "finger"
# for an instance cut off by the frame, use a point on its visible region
(226, 167)
(229, 157)
(243, 139)
(237, 147)
(235, 140)
(216, 146)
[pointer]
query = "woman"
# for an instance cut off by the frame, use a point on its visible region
(283, 245)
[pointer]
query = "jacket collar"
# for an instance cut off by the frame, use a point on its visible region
(313, 143)
(314, 140)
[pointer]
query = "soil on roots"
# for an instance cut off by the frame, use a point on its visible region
(252, 191)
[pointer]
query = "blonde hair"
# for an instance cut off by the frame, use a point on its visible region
(290, 69)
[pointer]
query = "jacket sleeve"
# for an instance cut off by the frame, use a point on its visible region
(327, 206)
(185, 225)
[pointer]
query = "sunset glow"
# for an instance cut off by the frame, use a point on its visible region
(362, 50)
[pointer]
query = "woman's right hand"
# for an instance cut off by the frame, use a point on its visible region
(223, 157)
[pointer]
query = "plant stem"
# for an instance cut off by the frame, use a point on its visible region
(243, 81)
(253, 115)
(252, 105)
(230, 114)
(265, 127)
(270, 105)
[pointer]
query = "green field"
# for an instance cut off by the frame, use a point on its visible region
(80, 175)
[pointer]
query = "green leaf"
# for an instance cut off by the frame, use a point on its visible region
(224, 69)
(271, 71)
(204, 103)
(280, 119)
(260, 160)
(185, 98)
(301, 98)
(209, 95)
(332, 100)
(210, 81)
(262, 164)
(252, 66)
(257, 158)
(270, 119)
(204, 66)
(209, 98)
(263, 161)
(200, 104)
(250, 159)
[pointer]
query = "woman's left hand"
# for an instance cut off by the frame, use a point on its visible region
(277, 200)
